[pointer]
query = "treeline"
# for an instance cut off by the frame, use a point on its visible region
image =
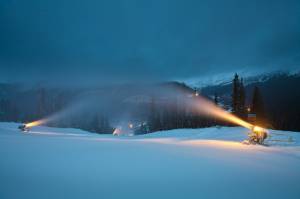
(27, 105)
(159, 110)
(165, 110)
(255, 107)
(176, 113)
(273, 98)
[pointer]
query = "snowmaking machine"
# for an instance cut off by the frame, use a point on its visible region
(24, 128)
(257, 136)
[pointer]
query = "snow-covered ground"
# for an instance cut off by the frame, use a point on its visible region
(184, 163)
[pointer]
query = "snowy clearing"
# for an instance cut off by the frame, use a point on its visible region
(184, 163)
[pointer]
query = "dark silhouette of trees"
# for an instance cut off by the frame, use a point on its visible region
(41, 104)
(154, 123)
(258, 106)
(238, 97)
(216, 99)
(100, 124)
(242, 105)
(235, 94)
(161, 111)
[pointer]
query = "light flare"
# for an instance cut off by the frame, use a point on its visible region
(117, 131)
(257, 129)
(208, 108)
(36, 123)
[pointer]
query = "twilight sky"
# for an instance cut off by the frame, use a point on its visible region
(124, 40)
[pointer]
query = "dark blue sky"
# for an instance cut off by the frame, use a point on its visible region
(63, 40)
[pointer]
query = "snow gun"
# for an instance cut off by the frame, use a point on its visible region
(24, 128)
(256, 136)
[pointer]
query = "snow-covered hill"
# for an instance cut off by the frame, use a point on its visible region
(226, 78)
(184, 163)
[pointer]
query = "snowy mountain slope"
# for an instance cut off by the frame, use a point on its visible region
(226, 78)
(184, 163)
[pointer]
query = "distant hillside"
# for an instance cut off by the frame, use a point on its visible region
(226, 78)
(281, 94)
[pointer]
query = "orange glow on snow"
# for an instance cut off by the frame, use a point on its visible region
(216, 144)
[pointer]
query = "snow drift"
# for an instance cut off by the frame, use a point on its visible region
(183, 163)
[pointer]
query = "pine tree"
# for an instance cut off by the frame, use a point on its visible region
(258, 105)
(242, 100)
(235, 94)
(106, 125)
(95, 124)
(153, 124)
(216, 100)
(238, 97)
(41, 109)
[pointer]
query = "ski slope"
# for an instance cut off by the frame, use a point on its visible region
(184, 163)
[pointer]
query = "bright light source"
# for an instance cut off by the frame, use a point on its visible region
(258, 129)
(117, 131)
(130, 125)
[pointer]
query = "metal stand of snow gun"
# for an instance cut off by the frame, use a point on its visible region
(256, 136)
(23, 128)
